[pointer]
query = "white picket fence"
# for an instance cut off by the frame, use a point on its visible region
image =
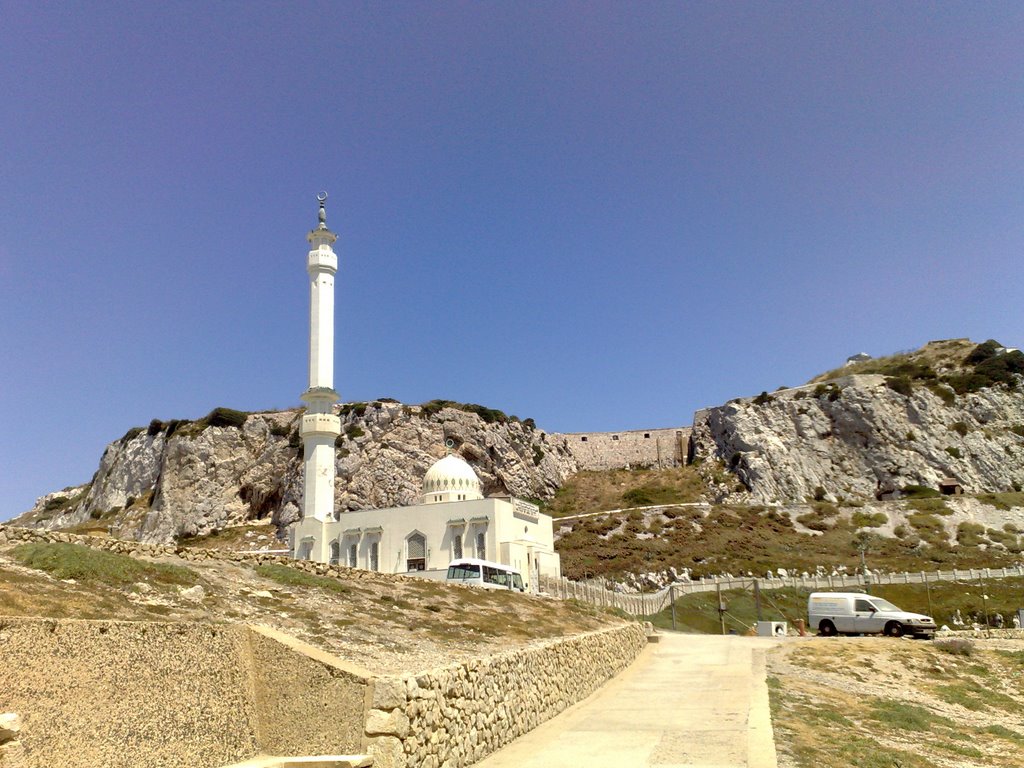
(645, 604)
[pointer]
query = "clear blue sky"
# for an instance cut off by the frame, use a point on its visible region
(600, 215)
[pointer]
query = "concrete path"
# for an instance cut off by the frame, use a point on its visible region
(688, 701)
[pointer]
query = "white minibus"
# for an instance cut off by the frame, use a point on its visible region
(483, 573)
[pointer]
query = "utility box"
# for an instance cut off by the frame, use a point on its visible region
(771, 629)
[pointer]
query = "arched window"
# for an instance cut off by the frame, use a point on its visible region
(375, 556)
(352, 551)
(481, 545)
(456, 546)
(417, 560)
(335, 552)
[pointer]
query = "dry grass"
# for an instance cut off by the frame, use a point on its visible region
(737, 539)
(945, 354)
(880, 703)
(594, 491)
(383, 623)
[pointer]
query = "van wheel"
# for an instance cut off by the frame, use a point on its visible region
(827, 629)
(894, 629)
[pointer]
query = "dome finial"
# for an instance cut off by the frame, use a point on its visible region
(449, 444)
(322, 215)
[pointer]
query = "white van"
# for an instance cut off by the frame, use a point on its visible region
(484, 573)
(854, 613)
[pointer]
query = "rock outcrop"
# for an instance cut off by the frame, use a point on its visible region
(181, 479)
(857, 436)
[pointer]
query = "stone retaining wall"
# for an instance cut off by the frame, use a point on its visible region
(128, 694)
(452, 717)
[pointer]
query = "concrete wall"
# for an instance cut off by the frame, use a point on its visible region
(175, 695)
(454, 716)
(632, 449)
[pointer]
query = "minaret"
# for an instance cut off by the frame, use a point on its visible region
(320, 427)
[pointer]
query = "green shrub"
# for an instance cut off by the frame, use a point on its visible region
(487, 415)
(960, 428)
(984, 351)
(932, 505)
(954, 452)
(131, 434)
(970, 534)
(819, 493)
(1018, 429)
(929, 528)
(649, 495)
(1004, 501)
(73, 561)
(352, 432)
(957, 646)
(226, 417)
(919, 492)
(538, 455)
(861, 519)
(359, 409)
(763, 399)
(279, 430)
(943, 392)
(292, 577)
(155, 427)
(1001, 537)
(900, 384)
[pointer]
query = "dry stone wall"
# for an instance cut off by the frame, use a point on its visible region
(452, 717)
(631, 449)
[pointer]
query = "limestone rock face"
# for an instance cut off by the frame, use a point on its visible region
(185, 479)
(857, 437)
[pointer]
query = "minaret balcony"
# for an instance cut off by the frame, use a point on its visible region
(320, 425)
(322, 260)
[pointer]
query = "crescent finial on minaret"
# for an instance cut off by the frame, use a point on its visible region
(322, 198)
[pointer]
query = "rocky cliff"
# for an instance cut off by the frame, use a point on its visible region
(951, 409)
(179, 479)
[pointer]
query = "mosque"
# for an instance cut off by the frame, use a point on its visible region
(454, 519)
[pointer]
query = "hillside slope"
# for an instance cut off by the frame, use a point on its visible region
(184, 479)
(951, 409)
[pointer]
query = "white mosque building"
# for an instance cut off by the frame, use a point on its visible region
(454, 519)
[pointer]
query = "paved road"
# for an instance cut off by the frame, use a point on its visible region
(688, 701)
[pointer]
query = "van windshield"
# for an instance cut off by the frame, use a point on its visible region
(884, 605)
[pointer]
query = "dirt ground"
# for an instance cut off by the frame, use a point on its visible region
(875, 702)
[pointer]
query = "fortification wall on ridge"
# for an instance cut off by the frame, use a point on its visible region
(629, 449)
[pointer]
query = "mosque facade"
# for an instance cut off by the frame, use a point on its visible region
(453, 520)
